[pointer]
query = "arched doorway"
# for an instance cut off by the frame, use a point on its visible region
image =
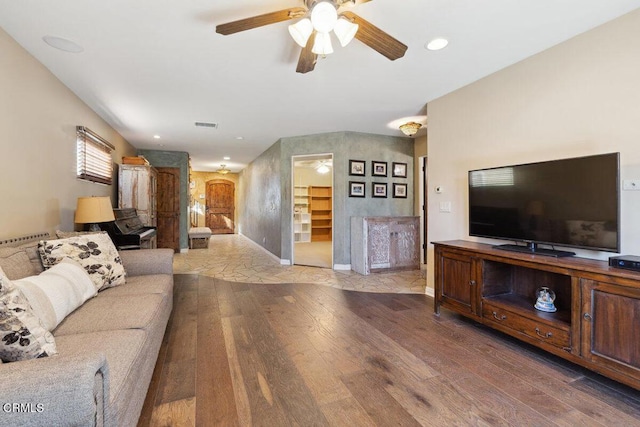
(220, 208)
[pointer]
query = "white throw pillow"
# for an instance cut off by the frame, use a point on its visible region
(22, 335)
(56, 292)
(95, 252)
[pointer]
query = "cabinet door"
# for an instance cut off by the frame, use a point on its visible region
(405, 243)
(611, 327)
(456, 282)
(378, 244)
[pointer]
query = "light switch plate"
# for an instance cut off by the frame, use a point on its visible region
(445, 206)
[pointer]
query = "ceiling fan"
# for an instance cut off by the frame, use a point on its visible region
(312, 31)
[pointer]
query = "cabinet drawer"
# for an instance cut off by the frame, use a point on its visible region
(523, 325)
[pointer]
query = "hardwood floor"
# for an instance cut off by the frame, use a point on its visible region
(306, 355)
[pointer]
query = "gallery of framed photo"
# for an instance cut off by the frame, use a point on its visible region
(399, 170)
(379, 189)
(357, 167)
(378, 168)
(356, 189)
(399, 190)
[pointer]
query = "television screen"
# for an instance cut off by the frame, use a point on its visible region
(569, 202)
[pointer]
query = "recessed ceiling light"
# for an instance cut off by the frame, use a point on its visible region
(156, 136)
(437, 44)
(63, 44)
(227, 158)
(239, 137)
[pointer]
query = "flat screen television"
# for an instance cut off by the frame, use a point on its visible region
(569, 202)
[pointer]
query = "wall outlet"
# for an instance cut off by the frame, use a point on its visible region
(631, 184)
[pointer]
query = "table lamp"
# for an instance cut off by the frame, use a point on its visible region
(93, 210)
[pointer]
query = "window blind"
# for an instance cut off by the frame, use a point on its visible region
(93, 157)
(491, 177)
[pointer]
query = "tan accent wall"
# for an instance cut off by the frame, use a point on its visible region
(578, 98)
(200, 189)
(38, 119)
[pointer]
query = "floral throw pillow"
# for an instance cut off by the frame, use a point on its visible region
(95, 252)
(22, 335)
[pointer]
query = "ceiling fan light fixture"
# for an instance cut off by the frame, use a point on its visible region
(345, 30)
(410, 128)
(322, 44)
(324, 16)
(322, 168)
(301, 31)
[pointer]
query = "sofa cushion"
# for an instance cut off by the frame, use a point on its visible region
(96, 253)
(56, 292)
(15, 263)
(22, 335)
(108, 313)
(151, 284)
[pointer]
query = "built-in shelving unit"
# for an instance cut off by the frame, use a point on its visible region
(321, 206)
(301, 214)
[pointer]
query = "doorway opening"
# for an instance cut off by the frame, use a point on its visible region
(313, 210)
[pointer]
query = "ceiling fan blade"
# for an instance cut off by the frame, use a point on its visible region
(351, 3)
(308, 59)
(260, 20)
(377, 39)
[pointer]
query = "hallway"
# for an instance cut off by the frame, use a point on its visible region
(236, 258)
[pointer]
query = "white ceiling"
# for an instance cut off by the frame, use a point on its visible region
(157, 66)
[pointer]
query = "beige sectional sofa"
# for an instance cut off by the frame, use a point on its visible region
(107, 349)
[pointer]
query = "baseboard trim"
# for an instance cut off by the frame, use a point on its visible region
(285, 261)
(275, 257)
(430, 292)
(184, 250)
(342, 267)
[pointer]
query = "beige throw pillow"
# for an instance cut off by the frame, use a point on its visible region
(95, 252)
(22, 335)
(58, 291)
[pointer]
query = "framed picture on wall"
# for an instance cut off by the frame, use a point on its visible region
(399, 190)
(399, 170)
(356, 189)
(357, 167)
(378, 168)
(379, 189)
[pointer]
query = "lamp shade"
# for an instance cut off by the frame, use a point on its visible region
(345, 30)
(322, 44)
(91, 210)
(324, 16)
(300, 31)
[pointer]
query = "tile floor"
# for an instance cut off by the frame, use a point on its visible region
(236, 258)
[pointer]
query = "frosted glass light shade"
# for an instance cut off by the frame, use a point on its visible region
(322, 44)
(324, 16)
(301, 31)
(345, 30)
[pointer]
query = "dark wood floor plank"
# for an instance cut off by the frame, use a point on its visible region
(280, 373)
(215, 404)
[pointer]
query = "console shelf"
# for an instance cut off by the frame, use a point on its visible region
(595, 324)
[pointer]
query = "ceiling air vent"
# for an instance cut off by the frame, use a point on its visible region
(207, 125)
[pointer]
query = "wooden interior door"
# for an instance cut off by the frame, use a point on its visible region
(168, 208)
(220, 206)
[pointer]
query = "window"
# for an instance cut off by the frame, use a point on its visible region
(94, 157)
(491, 177)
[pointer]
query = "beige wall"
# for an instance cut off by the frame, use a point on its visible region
(38, 119)
(200, 179)
(581, 97)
